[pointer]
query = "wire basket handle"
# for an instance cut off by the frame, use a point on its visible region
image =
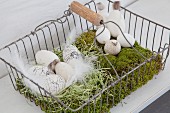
(86, 13)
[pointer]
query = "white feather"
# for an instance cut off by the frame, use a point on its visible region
(81, 68)
(71, 37)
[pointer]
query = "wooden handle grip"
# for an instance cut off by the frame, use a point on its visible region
(86, 13)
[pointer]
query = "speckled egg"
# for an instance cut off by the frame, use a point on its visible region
(71, 52)
(50, 82)
(112, 47)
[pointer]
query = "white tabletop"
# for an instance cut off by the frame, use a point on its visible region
(12, 101)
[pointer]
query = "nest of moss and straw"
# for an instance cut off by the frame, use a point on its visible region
(103, 74)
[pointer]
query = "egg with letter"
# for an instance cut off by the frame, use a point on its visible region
(44, 78)
(71, 52)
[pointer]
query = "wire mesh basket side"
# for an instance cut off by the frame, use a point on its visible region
(108, 95)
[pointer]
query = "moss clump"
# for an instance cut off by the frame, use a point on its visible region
(85, 43)
(128, 57)
(103, 75)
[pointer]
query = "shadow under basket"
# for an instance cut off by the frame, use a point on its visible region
(121, 74)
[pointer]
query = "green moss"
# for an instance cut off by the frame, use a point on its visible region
(85, 43)
(75, 95)
(59, 54)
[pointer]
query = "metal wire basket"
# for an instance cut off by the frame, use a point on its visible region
(53, 33)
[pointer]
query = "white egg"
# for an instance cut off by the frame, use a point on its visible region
(71, 52)
(50, 82)
(112, 47)
(64, 70)
(123, 42)
(103, 36)
(45, 57)
(115, 16)
(54, 83)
